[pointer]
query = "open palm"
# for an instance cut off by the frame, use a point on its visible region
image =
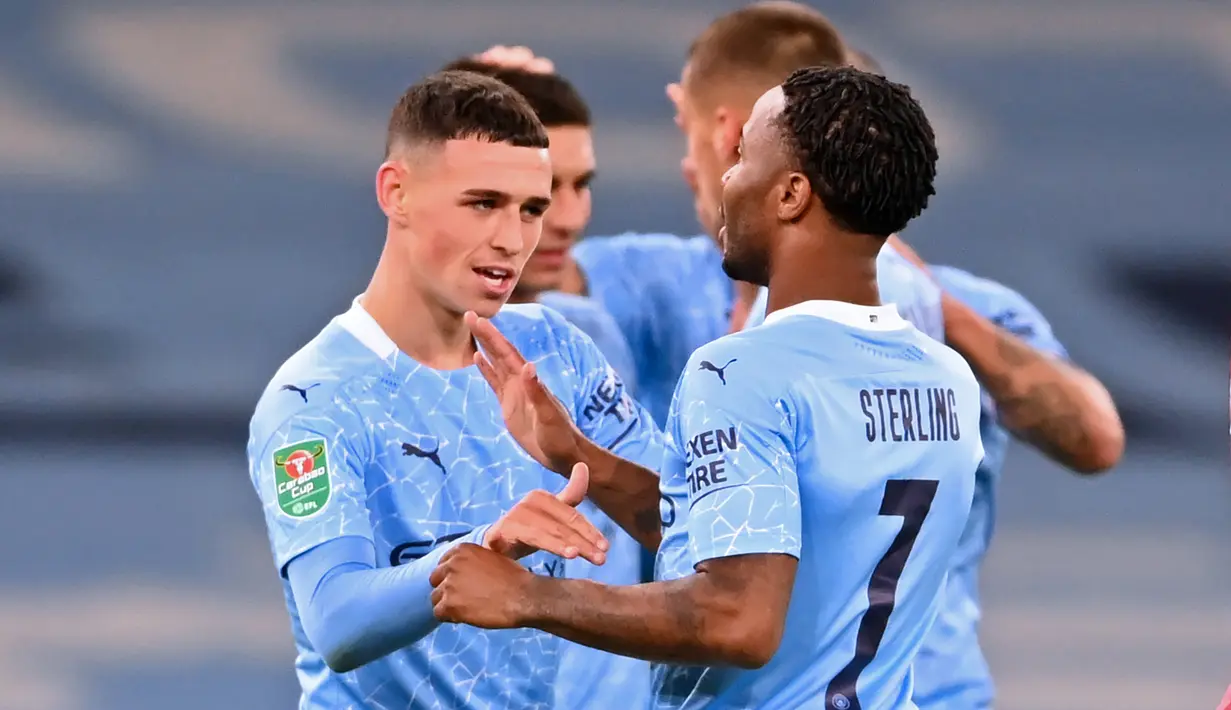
(535, 418)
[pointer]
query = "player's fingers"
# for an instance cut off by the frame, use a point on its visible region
(541, 65)
(542, 532)
(580, 531)
(503, 356)
(489, 373)
(575, 490)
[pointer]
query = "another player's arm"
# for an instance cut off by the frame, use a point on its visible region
(743, 537)
(353, 611)
(1041, 397)
(1045, 400)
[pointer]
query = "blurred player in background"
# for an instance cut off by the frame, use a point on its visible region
(588, 678)
(378, 446)
(805, 536)
(669, 294)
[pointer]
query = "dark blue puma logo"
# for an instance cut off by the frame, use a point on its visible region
(720, 371)
(301, 391)
(433, 455)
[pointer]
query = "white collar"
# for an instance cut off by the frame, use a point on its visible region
(359, 323)
(884, 317)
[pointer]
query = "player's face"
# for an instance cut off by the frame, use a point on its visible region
(750, 194)
(702, 165)
(572, 169)
(474, 211)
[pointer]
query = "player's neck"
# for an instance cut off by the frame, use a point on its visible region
(524, 297)
(401, 310)
(830, 267)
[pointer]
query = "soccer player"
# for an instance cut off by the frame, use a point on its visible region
(378, 446)
(588, 678)
(822, 464)
(669, 294)
(566, 116)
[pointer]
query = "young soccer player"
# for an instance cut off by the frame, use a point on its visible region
(587, 678)
(566, 116)
(822, 464)
(378, 446)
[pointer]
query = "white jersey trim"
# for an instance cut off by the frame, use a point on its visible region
(884, 317)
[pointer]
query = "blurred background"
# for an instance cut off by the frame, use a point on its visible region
(186, 197)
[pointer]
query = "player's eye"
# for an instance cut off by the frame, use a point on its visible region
(584, 183)
(483, 205)
(533, 211)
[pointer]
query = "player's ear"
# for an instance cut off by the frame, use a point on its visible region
(391, 189)
(794, 197)
(726, 134)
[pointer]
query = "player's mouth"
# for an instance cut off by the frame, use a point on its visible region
(497, 280)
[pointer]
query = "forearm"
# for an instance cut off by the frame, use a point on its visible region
(1056, 407)
(627, 492)
(672, 622)
(354, 613)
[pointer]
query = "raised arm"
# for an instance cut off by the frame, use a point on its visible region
(1057, 407)
(1040, 396)
(625, 490)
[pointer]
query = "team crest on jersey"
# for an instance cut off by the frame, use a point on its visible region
(301, 475)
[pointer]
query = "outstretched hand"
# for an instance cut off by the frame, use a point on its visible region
(534, 416)
(551, 523)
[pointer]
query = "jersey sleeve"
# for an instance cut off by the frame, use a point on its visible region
(736, 440)
(308, 473)
(1003, 306)
(602, 406)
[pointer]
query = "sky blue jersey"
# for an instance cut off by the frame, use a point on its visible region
(916, 296)
(590, 678)
(842, 436)
(353, 439)
(950, 671)
(670, 296)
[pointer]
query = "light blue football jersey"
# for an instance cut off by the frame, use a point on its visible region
(354, 438)
(670, 296)
(592, 319)
(590, 678)
(845, 437)
(901, 283)
(950, 670)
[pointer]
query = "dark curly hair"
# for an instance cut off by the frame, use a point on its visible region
(458, 105)
(865, 145)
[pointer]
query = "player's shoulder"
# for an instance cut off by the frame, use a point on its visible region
(944, 359)
(536, 329)
(744, 351)
(315, 381)
(643, 245)
(996, 301)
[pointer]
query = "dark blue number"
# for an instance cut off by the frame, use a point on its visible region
(911, 500)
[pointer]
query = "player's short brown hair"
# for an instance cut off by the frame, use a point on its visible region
(762, 44)
(459, 105)
(554, 98)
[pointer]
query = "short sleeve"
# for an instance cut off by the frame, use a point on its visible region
(1003, 306)
(309, 476)
(736, 438)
